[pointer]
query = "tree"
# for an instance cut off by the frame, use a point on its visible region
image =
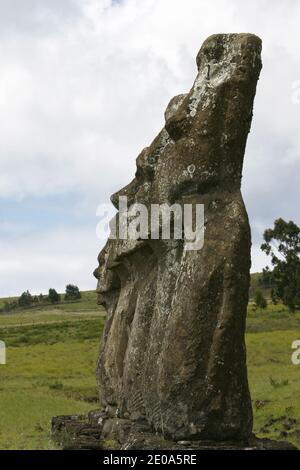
(53, 296)
(282, 243)
(25, 300)
(259, 300)
(72, 292)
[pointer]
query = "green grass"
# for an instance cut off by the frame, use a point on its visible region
(43, 316)
(274, 318)
(42, 381)
(274, 383)
(51, 332)
(50, 370)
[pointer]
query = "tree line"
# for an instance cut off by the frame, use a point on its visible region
(26, 300)
(282, 244)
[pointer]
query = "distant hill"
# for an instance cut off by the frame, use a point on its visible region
(89, 298)
(88, 301)
(255, 286)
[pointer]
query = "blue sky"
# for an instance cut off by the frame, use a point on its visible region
(83, 88)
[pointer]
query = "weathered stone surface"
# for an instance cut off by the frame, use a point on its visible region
(76, 432)
(86, 433)
(173, 352)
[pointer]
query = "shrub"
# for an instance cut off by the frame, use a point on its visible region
(72, 292)
(53, 296)
(259, 300)
(25, 300)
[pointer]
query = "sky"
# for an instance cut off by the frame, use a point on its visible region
(83, 88)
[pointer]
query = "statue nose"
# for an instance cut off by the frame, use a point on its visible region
(128, 191)
(115, 199)
(96, 273)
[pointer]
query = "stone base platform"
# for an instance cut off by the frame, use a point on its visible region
(97, 432)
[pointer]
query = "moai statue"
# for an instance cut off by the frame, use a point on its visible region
(173, 351)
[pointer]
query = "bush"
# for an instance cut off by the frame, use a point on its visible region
(25, 300)
(259, 300)
(72, 292)
(53, 296)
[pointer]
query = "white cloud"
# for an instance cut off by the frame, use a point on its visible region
(38, 262)
(83, 88)
(81, 103)
(19, 17)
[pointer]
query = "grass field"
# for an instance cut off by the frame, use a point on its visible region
(50, 370)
